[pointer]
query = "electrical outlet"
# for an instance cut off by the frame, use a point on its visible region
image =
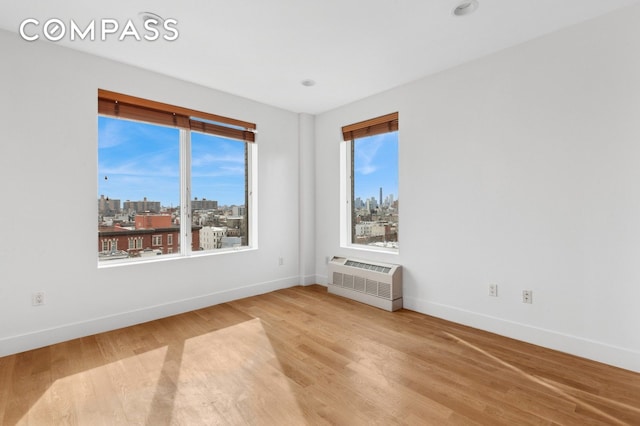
(527, 296)
(326, 260)
(37, 299)
(493, 290)
(281, 261)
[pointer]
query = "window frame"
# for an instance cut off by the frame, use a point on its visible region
(121, 106)
(387, 123)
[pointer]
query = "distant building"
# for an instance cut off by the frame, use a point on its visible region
(153, 234)
(150, 220)
(371, 204)
(211, 237)
(108, 206)
(112, 220)
(389, 201)
(234, 232)
(235, 221)
(230, 242)
(238, 211)
(141, 206)
(368, 232)
(204, 204)
(370, 229)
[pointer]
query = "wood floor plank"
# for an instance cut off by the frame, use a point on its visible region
(7, 369)
(301, 356)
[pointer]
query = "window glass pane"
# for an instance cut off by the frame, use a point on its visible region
(219, 191)
(138, 188)
(375, 191)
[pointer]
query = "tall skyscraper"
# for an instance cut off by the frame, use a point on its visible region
(380, 196)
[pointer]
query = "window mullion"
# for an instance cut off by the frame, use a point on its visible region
(251, 196)
(352, 197)
(185, 192)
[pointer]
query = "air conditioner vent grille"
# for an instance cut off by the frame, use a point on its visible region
(372, 287)
(368, 266)
(384, 290)
(347, 281)
(376, 284)
(337, 278)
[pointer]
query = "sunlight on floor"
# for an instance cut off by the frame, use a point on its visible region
(117, 392)
(230, 376)
(554, 387)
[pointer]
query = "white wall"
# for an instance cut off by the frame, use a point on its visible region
(523, 169)
(307, 208)
(48, 187)
(520, 169)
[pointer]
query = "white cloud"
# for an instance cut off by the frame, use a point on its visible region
(365, 153)
(111, 134)
(211, 159)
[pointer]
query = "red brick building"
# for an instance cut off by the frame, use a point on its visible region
(147, 221)
(154, 234)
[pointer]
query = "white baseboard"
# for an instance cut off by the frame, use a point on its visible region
(585, 348)
(37, 339)
(308, 280)
(322, 279)
(597, 351)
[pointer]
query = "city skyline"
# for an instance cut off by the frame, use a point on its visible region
(138, 160)
(376, 166)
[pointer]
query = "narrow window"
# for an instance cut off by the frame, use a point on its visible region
(372, 182)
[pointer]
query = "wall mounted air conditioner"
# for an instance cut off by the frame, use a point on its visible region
(374, 283)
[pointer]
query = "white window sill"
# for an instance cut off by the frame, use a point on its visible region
(372, 249)
(171, 257)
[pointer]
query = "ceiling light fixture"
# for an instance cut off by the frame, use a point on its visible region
(145, 16)
(467, 7)
(308, 83)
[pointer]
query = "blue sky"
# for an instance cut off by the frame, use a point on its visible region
(142, 160)
(376, 165)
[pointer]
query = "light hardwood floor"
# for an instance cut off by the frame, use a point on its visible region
(301, 356)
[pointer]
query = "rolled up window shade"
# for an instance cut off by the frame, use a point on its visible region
(132, 108)
(375, 126)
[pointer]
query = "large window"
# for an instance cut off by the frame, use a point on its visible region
(171, 180)
(371, 181)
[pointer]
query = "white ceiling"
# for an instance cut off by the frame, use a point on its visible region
(263, 49)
